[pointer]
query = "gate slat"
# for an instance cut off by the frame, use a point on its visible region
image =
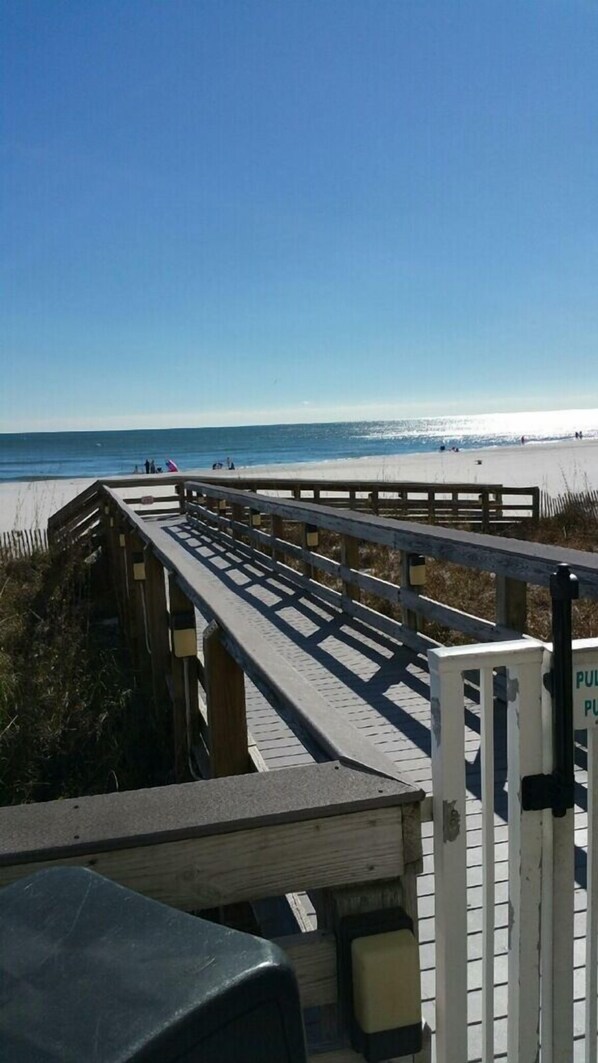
(488, 876)
(448, 788)
(524, 730)
(592, 887)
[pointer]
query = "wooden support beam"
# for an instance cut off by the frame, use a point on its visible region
(136, 559)
(227, 722)
(185, 692)
(350, 558)
(306, 566)
(485, 500)
(131, 617)
(511, 603)
(157, 620)
(237, 513)
(277, 529)
(409, 616)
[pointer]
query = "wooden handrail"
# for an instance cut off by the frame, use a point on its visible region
(281, 684)
(404, 495)
(529, 562)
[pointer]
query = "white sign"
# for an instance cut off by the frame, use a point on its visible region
(585, 684)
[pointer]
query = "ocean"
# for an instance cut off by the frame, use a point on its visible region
(54, 455)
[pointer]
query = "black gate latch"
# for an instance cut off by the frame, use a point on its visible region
(557, 791)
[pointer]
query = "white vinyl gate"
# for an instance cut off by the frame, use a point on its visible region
(552, 960)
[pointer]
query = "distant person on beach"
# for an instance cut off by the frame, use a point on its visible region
(147, 466)
(522, 440)
(153, 466)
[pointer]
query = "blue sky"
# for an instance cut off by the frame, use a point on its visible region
(246, 211)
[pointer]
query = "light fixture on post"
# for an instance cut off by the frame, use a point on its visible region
(138, 566)
(379, 983)
(417, 570)
(311, 536)
(255, 519)
(184, 635)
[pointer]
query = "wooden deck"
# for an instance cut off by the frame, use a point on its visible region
(349, 682)
(382, 688)
(373, 681)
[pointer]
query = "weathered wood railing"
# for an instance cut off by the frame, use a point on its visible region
(23, 542)
(260, 521)
(479, 505)
(347, 830)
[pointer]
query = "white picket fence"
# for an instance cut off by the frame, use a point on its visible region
(546, 1016)
(23, 542)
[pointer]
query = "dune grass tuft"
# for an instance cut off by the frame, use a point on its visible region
(70, 718)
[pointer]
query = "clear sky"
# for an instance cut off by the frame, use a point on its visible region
(246, 211)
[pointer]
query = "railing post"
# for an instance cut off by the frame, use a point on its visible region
(225, 693)
(499, 504)
(180, 491)
(276, 532)
(535, 503)
(431, 506)
(236, 513)
(485, 497)
(185, 694)
(112, 555)
(157, 621)
(350, 558)
(308, 535)
(137, 579)
(511, 603)
(130, 598)
(396, 896)
(408, 616)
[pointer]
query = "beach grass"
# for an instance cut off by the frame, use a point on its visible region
(71, 718)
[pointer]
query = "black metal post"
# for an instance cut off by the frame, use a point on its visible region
(564, 588)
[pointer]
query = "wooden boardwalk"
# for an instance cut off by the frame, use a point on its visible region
(377, 684)
(382, 688)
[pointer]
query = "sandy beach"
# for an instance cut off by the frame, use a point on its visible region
(554, 467)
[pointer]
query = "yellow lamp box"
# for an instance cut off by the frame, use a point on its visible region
(380, 983)
(184, 635)
(138, 566)
(311, 536)
(417, 570)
